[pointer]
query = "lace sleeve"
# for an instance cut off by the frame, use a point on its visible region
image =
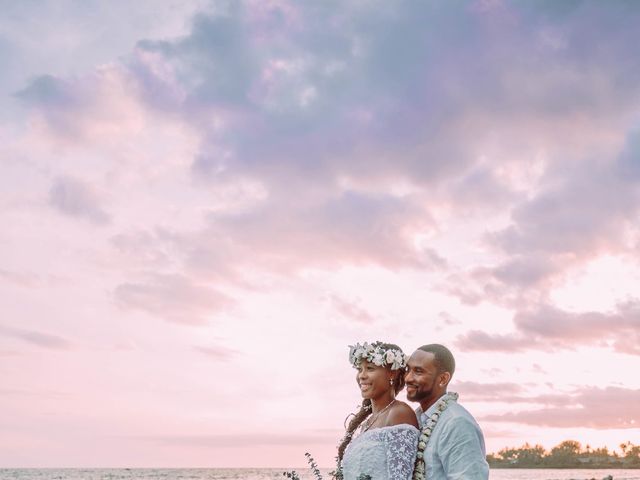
(401, 444)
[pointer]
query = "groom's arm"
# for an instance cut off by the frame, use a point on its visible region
(461, 451)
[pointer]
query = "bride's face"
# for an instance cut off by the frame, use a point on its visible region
(372, 380)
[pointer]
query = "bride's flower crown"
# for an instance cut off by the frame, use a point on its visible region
(377, 354)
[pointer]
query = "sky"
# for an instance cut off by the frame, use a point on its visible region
(203, 203)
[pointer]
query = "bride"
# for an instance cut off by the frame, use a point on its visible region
(382, 437)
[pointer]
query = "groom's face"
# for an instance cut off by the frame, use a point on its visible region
(421, 377)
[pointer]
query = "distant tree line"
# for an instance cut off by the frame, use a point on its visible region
(568, 454)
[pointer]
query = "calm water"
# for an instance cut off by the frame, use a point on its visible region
(264, 474)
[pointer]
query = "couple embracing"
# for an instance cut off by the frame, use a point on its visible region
(387, 440)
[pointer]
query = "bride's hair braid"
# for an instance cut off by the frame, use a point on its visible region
(354, 423)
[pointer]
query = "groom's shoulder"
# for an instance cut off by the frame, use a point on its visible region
(457, 413)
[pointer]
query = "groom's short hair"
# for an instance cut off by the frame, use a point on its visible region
(443, 357)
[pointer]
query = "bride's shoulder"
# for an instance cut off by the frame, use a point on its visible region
(401, 413)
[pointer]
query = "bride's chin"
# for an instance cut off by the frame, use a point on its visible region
(366, 393)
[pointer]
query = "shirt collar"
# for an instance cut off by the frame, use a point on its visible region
(422, 415)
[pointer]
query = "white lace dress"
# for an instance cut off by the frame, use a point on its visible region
(387, 453)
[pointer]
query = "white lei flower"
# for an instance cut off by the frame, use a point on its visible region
(377, 354)
(420, 472)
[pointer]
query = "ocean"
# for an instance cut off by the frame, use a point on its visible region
(270, 473)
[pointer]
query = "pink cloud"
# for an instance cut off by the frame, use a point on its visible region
(216, 352)
(352, 310)
(478, 340)
(486, 391)
(37, 338)
(349, 228)
(96, 108)
(549, 328)
(173, 297)
(281, 238)
(19, 278)
(587, 407)
(75, 198)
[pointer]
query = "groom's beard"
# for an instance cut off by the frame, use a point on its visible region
(423, 393)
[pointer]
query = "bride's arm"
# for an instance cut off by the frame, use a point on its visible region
(401, 447)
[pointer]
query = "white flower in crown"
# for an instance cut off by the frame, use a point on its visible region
(399, 362)
(390, 356)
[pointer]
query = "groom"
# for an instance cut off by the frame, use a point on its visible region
(455, 448)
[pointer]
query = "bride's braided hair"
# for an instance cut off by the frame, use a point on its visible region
(358, 418)
(366, 409)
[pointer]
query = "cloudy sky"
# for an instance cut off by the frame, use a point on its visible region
(204, 202)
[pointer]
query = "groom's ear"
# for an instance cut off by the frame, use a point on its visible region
(444, 379)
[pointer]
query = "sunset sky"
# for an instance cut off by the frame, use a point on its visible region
(203, 203)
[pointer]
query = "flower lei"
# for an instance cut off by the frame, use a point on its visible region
(420, 471)
(377, 354)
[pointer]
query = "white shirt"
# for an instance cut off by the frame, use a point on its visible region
(456, 449)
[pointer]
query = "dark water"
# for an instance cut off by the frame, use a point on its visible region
(264, 474)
